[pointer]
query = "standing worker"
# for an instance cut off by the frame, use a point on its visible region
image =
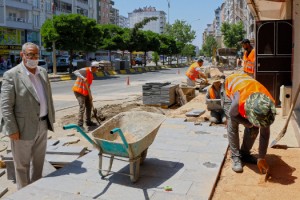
(194, 73)
(28, 113)
(248, 58)
(247, 102)
(217, 116)
(84, 76)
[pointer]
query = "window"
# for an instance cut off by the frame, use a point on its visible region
(36, 3)
(12, 16)
(36, 20)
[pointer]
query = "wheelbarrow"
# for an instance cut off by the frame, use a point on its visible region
(127, 135)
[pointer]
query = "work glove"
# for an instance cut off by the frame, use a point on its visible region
(262, 165)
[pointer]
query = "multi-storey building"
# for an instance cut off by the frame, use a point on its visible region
(103, 11)
(209, 31)
(156, 26)
(217, 26)
(21, 21)
(114, 16)
(123, 22)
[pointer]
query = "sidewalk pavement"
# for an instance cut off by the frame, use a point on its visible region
(184, 157)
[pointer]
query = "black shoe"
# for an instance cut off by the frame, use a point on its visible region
(91, 123)
(236, 164)
(248, 158)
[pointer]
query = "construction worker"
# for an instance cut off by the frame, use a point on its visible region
(194, 73)
(247, 102)
(84, 76)
(217, 116)
(248, 58)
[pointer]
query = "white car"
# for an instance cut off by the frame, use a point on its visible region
(43, 64)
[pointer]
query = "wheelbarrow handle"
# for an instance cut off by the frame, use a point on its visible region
(121, 135)
(70, 126)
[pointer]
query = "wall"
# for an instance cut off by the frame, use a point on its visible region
(296, 57)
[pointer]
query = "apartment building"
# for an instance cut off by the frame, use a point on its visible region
(139, 14)
(21, 21)
(103, 11)
(123, 22)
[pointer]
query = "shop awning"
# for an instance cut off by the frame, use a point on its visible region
(270, 9)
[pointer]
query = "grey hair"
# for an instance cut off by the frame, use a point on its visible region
(27, 44)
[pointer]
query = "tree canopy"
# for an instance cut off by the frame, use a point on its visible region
(209, 45)
(233, 34)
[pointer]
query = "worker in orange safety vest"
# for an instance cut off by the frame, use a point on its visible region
(247, 102)
(248, 58)
(194, 73)
(84, 75)
(217, 116)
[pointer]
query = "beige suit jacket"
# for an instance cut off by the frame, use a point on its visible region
(20, 104)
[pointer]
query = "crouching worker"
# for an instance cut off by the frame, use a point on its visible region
(247, 102)
(194, 73)
(213, 101)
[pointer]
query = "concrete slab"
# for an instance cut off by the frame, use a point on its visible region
(2, 171)
(56, 159)
(66, 150)
(52, 142)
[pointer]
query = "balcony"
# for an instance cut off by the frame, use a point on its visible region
(19, 4)
(19, 22)
(82, 4)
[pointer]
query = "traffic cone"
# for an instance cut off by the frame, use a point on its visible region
(127, 81)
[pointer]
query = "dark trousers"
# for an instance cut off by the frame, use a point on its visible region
(84, 103)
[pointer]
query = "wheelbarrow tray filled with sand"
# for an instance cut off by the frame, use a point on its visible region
(127, 135)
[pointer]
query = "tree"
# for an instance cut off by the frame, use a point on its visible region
(233, 34)
(167, 46)
(112, 38)
(189, 50)
(148, 41)
(182, 33)
(209, 45)
(72, 32)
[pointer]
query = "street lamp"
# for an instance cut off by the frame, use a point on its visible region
(168, 11)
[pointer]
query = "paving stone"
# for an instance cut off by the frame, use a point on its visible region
(66, 150)
(38, 193)
(168, 196)
(3, 190)
(57, 159)
(2, 171)
(178, 186)
(52, 142)
(195, 113)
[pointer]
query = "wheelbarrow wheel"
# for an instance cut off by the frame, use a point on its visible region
(144, 155)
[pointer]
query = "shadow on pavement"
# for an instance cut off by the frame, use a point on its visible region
(153, 173)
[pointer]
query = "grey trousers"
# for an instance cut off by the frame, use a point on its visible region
(250, 134)
(84, 103)
(217, 117)
(26, 152)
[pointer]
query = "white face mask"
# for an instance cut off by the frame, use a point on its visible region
(31, 63)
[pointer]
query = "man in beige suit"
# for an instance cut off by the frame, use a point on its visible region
(28, 113)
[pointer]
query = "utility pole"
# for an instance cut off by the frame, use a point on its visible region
(53, 45)
(168, 11)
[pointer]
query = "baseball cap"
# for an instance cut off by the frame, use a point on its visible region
(260, 110)
(95, 64)
(199, 60)
(244, 41)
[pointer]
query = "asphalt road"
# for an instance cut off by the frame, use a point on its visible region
(115, 87)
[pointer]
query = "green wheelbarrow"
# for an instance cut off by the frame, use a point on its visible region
(127, 135)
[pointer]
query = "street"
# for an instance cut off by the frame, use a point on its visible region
(115, 87)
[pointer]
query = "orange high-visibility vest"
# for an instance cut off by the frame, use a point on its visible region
(192, 73)
(249, 62)
(79, 85)
(212, 93)
(246, 86)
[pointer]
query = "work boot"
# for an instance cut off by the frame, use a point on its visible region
(91, 123)
(236, 164)
(248, 158)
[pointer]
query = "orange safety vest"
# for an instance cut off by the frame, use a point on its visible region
(246, 86)
(249, 62)
(79, 85)
(212, 93)
(192, 73)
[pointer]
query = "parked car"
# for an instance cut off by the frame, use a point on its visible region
(43, 63)
(139, 61)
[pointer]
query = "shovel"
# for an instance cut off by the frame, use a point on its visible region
(100, 117)
(283, 131)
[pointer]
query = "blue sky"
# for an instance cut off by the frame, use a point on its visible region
(198, 13)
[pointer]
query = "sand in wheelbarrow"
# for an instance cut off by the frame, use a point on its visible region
(130, 138)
